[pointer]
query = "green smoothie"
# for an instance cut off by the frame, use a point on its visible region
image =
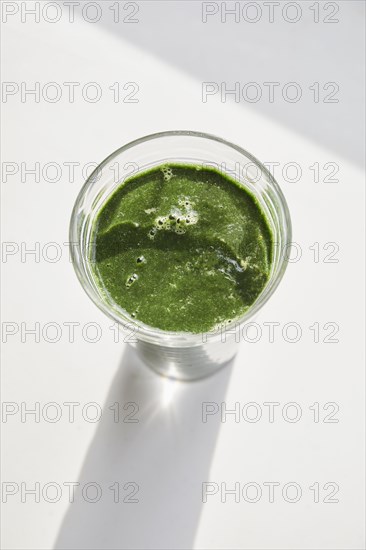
(182, 248)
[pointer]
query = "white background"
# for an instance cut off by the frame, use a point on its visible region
(170, 452)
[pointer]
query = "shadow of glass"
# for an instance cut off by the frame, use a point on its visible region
(149, 463)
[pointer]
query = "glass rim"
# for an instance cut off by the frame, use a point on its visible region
(151, 334)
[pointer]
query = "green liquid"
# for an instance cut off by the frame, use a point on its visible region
(182, 248)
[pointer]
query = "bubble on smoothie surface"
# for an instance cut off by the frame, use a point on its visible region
(131, 279)
(178, 218)
(167, 173)
(152, 232)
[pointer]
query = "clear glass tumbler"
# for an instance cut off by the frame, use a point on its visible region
(179, 355)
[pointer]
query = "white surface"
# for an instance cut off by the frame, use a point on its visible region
(170, 452)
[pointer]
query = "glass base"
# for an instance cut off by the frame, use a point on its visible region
(187, 363)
